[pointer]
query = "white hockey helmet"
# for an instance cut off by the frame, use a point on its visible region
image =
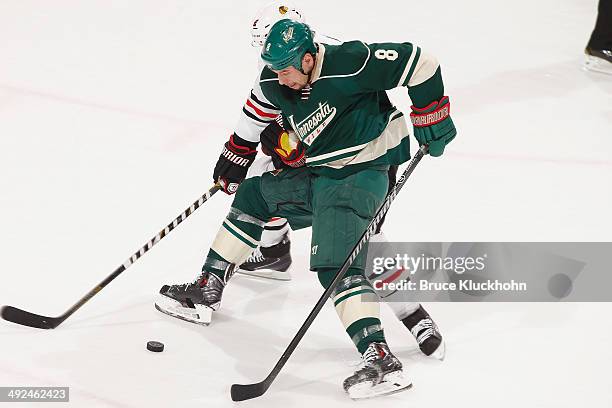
(270, 14)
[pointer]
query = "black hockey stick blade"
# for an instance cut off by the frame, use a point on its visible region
(15, 315)
(12, 314)
(244, 392)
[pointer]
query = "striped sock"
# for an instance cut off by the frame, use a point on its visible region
(238, 236)
(357, 306)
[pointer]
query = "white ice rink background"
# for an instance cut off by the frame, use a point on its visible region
(112, 115)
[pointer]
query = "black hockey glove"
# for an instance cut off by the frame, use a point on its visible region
(283, 147)
(235, 159)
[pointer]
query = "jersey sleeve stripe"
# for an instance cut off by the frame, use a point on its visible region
(408, 66)
(260, 112)
(263, 104)
(254, 117)
(257, 113)
(336, 154)
(425, 69)
(413, 66)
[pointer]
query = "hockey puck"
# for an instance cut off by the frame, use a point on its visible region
(155, 346)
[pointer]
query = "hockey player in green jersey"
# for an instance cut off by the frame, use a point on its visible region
(347, 133)
(272, 258)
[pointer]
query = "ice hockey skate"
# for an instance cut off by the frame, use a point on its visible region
(193, 302)
(426, 333)
(598, 61)
(269, 262)
(381, 374)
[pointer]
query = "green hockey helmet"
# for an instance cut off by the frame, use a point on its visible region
(287, 43)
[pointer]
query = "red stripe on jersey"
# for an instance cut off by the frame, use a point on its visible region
(394, 276)
(260, 112)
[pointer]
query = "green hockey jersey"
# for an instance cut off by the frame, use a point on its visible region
(344, 117)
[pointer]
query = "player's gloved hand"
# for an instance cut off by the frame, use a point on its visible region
(433, 125)
(284, 145)
(235, 159)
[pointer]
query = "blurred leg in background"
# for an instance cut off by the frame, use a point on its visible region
(599, 49)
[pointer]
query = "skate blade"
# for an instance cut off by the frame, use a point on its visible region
(199, 315)
(595, 64)
(267, 274)
(440, 352)
(392, 383)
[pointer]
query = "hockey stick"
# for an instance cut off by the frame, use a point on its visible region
(243, 392)
(15, 315)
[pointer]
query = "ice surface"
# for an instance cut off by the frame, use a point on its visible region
(112, 115)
